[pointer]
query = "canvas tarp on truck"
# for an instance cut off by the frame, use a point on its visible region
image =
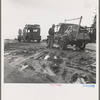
(70, 31)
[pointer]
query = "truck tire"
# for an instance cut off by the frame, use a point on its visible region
(19, 39)
(38, 41)
(82, 46)
(62, 44)
(28, 40)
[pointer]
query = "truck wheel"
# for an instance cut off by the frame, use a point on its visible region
(82, 46)
(38, 41)
(47, 40)
(19, 39)
(62, 44)
(27, 38)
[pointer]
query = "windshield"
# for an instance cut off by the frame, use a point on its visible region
(32, 30)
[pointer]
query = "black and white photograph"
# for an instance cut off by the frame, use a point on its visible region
(49, 41)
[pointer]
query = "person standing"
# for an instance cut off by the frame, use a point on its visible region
(51, 36)
(19, 35)
(24, 35)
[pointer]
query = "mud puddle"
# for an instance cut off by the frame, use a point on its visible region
(32, 63)
(57, 67)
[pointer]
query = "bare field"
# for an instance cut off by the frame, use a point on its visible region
(34, 63)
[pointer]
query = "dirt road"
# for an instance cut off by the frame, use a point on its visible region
(34, 63)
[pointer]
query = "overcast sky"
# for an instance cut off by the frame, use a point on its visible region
(17, 13)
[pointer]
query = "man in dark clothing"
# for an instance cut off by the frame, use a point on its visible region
(19, 35)
(51, 36)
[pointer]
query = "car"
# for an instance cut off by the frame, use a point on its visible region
(71, 34)
(31, 32)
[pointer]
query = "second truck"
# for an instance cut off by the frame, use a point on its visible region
(31, 32)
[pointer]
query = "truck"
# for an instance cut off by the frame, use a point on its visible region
(31, 32)
(71, 34)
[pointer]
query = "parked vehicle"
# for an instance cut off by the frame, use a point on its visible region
(71, 34)
(31, 32)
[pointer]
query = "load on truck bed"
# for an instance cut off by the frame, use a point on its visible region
(31, 32)
(71, 34)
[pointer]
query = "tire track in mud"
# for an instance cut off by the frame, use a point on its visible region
(51, 66)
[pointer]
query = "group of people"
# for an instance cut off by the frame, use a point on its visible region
(21, 34)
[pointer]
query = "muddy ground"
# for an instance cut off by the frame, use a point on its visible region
(34, 63)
